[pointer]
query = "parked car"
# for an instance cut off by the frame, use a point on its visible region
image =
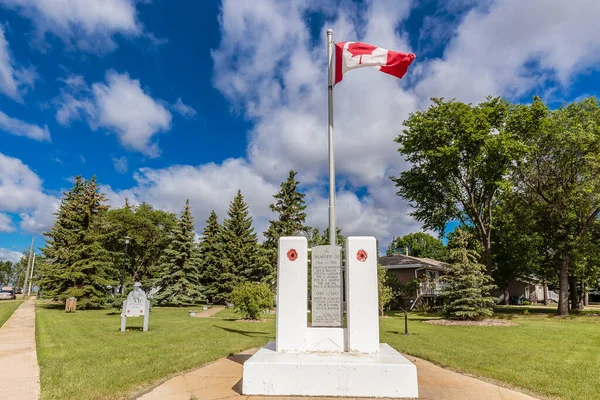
(18, 290)
(6, 294)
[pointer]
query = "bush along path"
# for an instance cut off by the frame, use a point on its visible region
(18, 359)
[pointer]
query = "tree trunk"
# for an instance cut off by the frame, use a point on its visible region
(546, 302)
(575, 304)
(586, 295)
(563, 295)
(506, 295)
(487, 259)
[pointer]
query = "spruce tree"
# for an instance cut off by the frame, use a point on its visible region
(179, 279)
(289, 207)
(77, 264)
(210, 257)
(241, 259)
(467, 296)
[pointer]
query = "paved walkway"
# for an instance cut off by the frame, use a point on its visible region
(210, 312)
(222, 380)
(19, 371)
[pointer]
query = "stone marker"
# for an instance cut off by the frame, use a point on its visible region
(136, 305)
(327, 286)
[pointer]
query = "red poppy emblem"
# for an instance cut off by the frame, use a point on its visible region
(292, 254)
(361, 255)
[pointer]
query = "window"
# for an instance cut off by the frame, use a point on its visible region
(432, 275)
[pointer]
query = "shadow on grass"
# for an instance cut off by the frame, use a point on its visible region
(133, 329)
(51, 305)
(244, 333)
(520, 310)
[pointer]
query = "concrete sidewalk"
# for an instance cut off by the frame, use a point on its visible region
(19, 370)
(223, 380)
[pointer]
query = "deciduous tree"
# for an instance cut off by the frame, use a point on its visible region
(418, 244)
(460, 155)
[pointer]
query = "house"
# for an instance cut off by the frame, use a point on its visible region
(525, 289)
(423, 273)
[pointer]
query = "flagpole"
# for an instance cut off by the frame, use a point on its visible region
(332, 229)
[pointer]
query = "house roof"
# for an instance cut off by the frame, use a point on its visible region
(399, 261)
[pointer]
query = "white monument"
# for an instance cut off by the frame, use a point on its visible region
(136, 305)
(328, 359)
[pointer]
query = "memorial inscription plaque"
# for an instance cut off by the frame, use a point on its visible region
(327, 286)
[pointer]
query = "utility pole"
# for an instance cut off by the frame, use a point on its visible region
(29, 261)
(31, 275)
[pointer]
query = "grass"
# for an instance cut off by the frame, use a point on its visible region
(7, 307)
(551, 356)
(84, 356)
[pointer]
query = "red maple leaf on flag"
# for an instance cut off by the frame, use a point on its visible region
(358, 49)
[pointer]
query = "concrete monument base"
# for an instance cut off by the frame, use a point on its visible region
(384, 374)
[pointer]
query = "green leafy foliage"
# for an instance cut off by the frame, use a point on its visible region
(240, 258)
(210, 258)
(289, 207)
(179, 280)
(251, 299)
(316, 238)
(460, 155)
(418, 244)
(468, 294)
(559, 181)
(76, 262)
(149, 230)
(385, 293)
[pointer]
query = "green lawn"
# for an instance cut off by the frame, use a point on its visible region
(548, 355)
(7, 307)
(84, 356)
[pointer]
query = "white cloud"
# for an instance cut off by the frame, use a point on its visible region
(87, 25)
(10, 255)
(21, 191)
(20, 128)
(41, 218)
(183, 109)
(119, 105)
(120, 164)
(6, 223)
(511, 48)
(14, 80)
(270, 69)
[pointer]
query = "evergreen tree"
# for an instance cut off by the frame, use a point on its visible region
(77, 264)
(179, 280)
(289, 207)
(240, 255)
(210, 257)
(468, 294)
(315, 238)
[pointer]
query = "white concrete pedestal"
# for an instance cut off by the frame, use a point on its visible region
(383, 374)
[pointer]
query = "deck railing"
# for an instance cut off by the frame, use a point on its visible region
(432, 288)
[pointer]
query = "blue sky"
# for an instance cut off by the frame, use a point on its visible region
(164, 101)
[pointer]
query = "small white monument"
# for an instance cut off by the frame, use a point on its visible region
(328, 359)
(136, 305)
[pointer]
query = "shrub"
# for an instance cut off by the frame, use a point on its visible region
(385, 291)
(251, 298)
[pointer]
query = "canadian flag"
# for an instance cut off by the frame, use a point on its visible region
(352, 55)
